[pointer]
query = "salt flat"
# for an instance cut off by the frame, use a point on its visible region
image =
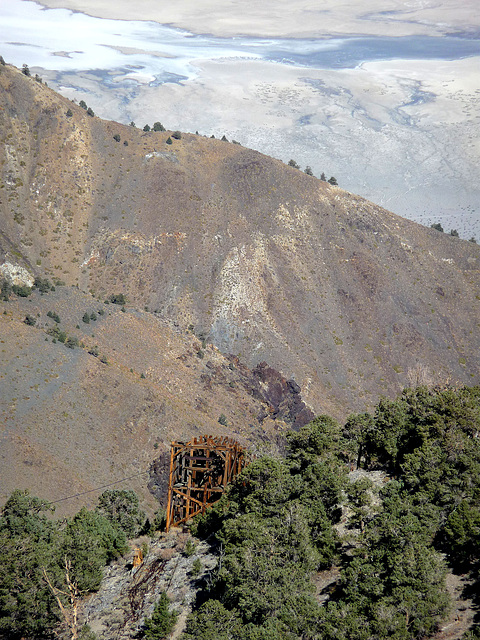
(401, 132)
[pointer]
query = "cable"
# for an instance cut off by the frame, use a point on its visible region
(76, 495)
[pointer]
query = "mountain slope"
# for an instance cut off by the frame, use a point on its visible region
(261, 260)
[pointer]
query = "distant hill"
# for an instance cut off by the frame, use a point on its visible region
(220, 250)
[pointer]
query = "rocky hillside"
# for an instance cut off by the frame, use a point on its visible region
(74, 419)
(218, 250)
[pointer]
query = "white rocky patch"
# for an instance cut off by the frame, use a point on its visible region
(15, 274)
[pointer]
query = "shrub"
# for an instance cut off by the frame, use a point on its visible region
(162, 621)
(437, 226)
(168, 140)
(121, 508)
(333, 181)
(90, 112)
(177, 135)
(83, 104)
(25, 70)
(189, 548)
(30, 320)
(71, 342)
(54, 316)
(116, 137)
(223, 420)
(22, 291)
(196, 567)
(6, 291)
(69, 113)
(146, 127)
(292, 163)
(86, 317)
(117, 298)
(57, 334)
(158, 126)
(42, 284)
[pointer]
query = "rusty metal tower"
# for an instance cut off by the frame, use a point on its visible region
(199, 473)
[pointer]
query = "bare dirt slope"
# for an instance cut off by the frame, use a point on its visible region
(72, 421)
(263, 261)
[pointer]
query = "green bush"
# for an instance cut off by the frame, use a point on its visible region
(121, 508)
(22, 291)
(117, 298)
(162, 621)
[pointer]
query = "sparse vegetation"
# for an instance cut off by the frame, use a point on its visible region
(54, 316)
(117, 298)
(22, 291)
(71, 342)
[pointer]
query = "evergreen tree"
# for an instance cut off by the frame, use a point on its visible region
(162, 621)
(121, 508)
